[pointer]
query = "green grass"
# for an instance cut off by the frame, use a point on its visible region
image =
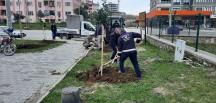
(26, 46)
(211, 48)
(181, 82)
(36, 26)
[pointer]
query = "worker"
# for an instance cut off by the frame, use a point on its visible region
(100, 31)
(54, 30)
(113, 43)
(115, 24)
(126, 47)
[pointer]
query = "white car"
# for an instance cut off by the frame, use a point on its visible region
(15, 34)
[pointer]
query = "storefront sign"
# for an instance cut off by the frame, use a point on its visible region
(142, 17)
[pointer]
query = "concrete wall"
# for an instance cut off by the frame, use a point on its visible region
(192, 39)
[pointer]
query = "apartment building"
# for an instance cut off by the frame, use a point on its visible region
(113, 7)
(55, 10)
(92, 7)
(185, 11)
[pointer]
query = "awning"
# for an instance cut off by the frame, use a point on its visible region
(156, 13)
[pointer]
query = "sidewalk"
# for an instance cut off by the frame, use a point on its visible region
(26, 77)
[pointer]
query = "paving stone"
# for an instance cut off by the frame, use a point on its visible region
(23, 75)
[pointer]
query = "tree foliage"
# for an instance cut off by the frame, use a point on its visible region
(40, 14)
(83, 10)
(18, 17)
(102, 14)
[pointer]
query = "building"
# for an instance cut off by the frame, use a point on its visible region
(113, 8)
(55, 10)
(92, 7)
(183, 11)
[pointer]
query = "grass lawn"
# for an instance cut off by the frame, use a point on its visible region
(26, 46)
(36, 26)
(163, 81)
(211, 48)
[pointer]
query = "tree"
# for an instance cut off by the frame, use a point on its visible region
(40, 14)
(102, 14)
(83, 10)
(18, 17)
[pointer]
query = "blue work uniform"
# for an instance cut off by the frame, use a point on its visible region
(113, 43)
(54, 31)
(126, 46)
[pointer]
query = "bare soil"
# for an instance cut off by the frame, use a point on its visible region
(34, 45)
(110, 75)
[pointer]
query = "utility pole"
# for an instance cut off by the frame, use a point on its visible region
(170, 15)
(80, 7)
(20, 13)
(8, 13)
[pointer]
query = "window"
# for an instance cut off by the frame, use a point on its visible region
(18, 3)
(52, 12)
(59, 14)
(30, 13)
(59, 4)
(68, 13)
(52, 4)
(198, 8)
(39, 4)
(29, 3)
(46, 3)
(176, 2)
(2, 3)
(19, 12)
(88, 27)
(46, 12)
(176, 8)
(67, 3)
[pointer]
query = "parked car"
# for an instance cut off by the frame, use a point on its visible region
(192, 27)
(180, 27)
(15, 33)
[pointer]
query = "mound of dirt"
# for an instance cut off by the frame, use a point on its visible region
(110, 75)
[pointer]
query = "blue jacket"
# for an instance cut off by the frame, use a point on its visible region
(126, 41)
(113, 40)
(53, 28)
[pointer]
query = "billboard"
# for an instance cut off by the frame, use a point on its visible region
(142, 18)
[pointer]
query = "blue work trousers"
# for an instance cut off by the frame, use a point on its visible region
(133, 57)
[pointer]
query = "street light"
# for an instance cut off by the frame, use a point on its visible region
(20, 25)
(198, 29)
(8, 13)
(170, 15)
(173, 26)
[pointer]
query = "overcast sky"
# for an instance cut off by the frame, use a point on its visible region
(132, 6)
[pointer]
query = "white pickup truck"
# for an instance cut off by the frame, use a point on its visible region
(76, 27)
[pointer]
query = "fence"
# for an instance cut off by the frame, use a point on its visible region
(193, 34)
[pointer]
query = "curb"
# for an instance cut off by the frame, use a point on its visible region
(65, 73)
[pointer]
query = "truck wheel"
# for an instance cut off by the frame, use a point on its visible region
(61, 36)
(69, 37)
(64, 37)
